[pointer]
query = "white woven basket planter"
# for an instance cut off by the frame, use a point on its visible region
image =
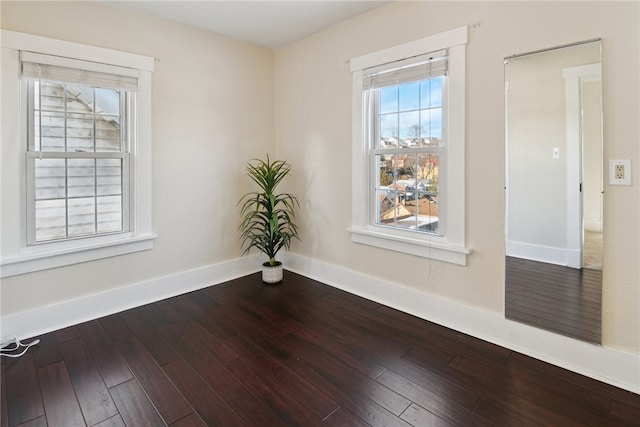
(272, 275)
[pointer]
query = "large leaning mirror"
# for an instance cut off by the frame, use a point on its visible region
(554, 181)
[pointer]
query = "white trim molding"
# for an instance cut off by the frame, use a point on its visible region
(605, 364)
(41, 320)
(451, 38)
(450, 246)
(541, 253)
(408, 245)
(17, 254)
(66, 49)
(574, 78)
(59, 257)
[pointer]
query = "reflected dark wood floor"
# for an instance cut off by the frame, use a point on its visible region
(560, 299)
(300, 354)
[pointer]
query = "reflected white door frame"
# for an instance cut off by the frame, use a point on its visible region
(574, 77)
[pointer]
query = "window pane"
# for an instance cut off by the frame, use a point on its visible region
(431, 125)
(431, 92)
(50, 219)
(81, 216)
(389, 131)
(81, 177)
(426, 205)
(73, 119)
(107, 133)
(51, 130)
(394, 171)
(409, 128)
(389, 99)
(403, 167)
(109, 214)
(79, 98)
(109, 177)
(66, 203)
(80, 132)
(409, 96)
(406, 186)
(108, 102)
(385, 170)
(407, 191)
(108, 120)
(52, 96)
(390, 208)
(50, 179)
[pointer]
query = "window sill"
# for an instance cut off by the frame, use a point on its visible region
(413, 246)
(43, 257)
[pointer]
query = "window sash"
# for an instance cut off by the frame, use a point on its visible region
(31, 159)
(127, 107)
(423, 67)
(371, 122)
(99, 226)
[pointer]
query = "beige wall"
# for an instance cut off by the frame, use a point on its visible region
(313, 128)
(214, 102)
(213, 108)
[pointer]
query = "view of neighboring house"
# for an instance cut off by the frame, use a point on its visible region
(78, 196)
(408, 192)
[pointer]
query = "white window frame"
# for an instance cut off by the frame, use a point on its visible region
(16, 256)
(450, 245)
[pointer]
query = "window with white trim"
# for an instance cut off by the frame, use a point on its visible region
(405, 138)
(408, 147)
(79, 133)
(76, 153)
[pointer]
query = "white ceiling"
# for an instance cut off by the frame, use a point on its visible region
(272, 24)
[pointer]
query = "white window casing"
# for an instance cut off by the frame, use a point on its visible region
(449, 246)
(49, 59)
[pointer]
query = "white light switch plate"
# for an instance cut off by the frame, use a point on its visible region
(620, 171)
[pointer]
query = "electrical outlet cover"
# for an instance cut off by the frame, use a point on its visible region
(620, 171)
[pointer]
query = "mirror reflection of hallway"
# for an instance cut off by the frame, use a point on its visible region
(554, 181)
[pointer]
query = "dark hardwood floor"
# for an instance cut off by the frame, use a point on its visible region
(298, 354)
(560, 299)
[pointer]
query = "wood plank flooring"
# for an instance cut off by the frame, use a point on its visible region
(299, 354)
(559, 299)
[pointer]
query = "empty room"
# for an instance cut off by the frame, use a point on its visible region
(300, 213)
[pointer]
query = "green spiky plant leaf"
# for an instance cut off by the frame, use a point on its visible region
(268, 218)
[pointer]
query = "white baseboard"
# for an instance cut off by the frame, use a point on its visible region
(601, 363)
(41, 320)
(548, 254)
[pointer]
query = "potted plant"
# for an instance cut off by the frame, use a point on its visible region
(268, 217)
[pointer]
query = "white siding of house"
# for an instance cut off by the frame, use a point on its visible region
(93, 187)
